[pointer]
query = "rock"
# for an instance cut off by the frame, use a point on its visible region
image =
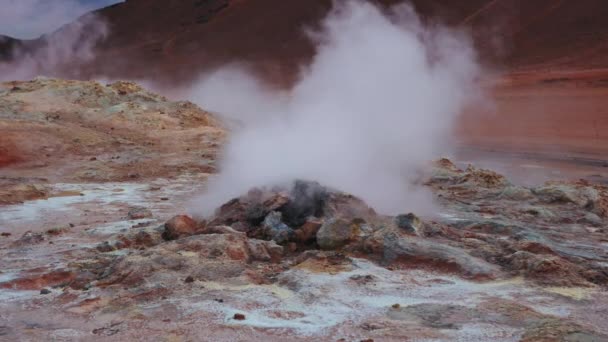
(547, 269)
(517, 193)
(335, 233)
(248, 211)
(29, 238)
(189, 279)
(409, 223)
(274, 213)
(144, 238)
(239, 316)
(348, 207)
(204, 257)
(419, 252)
(593, 219)
(591, 197)
(257, 250)
(263, 204)
(559, 193)
(446, 164)
(430, 229)
(261, 250)
(180, 226)
(483, 178)
(106, 246)
(446, 173)
(83, 280)
(45, 291)
(57, 231)
(275, 229)
(308, 231)
(306, 199)
(275, 251)
(362, 279)
(139, 213)
(443, 171)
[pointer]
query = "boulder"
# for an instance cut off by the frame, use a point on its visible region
(274, 228)
(249, 210)
(261, 250)
(419, 252)
(559, 193)
(180, 226)
(409, 223)
(336, 233)
(591, 197)
(348, 207)
(308, 231)
(306, 199)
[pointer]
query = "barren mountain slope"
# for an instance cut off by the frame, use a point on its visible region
(194, 35)
(181, 38)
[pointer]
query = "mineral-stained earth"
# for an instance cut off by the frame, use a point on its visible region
(95, 244)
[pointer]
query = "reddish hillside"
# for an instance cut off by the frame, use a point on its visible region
(177, 39)
(182, 37)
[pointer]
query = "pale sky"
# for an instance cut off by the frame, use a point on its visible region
(28, 19)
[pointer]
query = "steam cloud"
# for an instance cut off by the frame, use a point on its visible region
(55, 54)
(28, 19)
(377, 102)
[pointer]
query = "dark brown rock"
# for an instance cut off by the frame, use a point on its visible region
(139, 213)
(308, 231)
(335, 233)
(180, 226)
(409, 223)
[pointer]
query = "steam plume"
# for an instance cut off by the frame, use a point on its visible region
(377, 102)
(55, 54)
